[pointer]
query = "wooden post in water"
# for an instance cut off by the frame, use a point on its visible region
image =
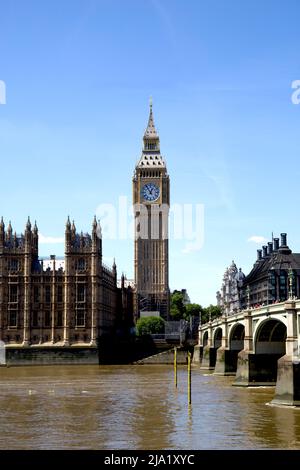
(175, 366)
(189, 379)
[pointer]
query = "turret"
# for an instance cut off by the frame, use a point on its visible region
(35, 236)
(2, 232)
(73, 231)
(68, 235)
(151, 137)
(28, 225)
(114, 269)
(28, 236)
(9, 232)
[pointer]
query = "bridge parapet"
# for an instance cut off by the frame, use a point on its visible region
(268, 353)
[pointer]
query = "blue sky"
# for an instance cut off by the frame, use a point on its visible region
(78, 76)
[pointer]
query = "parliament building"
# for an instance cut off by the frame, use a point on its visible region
(77, 300)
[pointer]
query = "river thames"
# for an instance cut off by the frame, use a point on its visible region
(137, 407)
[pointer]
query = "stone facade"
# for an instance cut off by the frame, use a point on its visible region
(229, 297)
(275, 277)
(70, 302)
(151, 199)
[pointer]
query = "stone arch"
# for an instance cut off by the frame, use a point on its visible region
(270, 337)
(218, 337)
(205, 338)
(236, 337)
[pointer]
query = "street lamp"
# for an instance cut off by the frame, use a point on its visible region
(248, 296)
(291, 280)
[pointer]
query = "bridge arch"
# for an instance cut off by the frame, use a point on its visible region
(205, 338)
(236, 337)
(270, 337)
(218, 337)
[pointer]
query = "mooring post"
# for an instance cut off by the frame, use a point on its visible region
(175, 366)
(189, 379)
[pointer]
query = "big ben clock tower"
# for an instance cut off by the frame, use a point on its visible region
(151, 199)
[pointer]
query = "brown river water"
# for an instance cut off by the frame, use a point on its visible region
(137, 407)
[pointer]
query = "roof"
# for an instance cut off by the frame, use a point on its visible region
(151, 157)
(152, 160)
(276, 261)
(150, 131)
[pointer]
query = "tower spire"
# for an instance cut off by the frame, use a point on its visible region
(150, 130)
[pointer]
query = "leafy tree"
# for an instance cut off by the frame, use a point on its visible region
(150, 325)
(210, 312)
(181, 309)
(177, 307)
(192, 310)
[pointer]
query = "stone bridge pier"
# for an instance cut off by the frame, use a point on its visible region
(287, 390)
(205, 351)
(259, 346)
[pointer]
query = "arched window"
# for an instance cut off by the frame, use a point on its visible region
(81, 264)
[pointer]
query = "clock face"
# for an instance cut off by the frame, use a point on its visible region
(150, 192)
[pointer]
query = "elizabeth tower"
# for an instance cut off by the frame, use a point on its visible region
(151, 199)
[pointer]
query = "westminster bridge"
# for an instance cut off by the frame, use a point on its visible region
(260, 346)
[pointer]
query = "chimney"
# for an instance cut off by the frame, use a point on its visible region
(276, 244)
(270, 248)
(283, 239)
(265, 253)
(259, 255)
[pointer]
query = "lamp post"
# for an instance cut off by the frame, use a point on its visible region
(248, 296)
(291, 279)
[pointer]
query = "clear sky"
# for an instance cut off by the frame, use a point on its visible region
(78, 78)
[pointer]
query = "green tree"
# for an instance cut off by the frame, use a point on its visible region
(177, 307)
(210, 312)
(150, 325)
(192, 310)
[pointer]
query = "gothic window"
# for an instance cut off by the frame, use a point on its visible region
(80, 317)
(47, 294)
(13, 265)
(47, 318)
(59, 318)
(81, 264)
(59, 294)
(151, 146)
(12, 318)
(80, 293)
(36, 294)
(13, 293)
(35, 319)
(282, 287)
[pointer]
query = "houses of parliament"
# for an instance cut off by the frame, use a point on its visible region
(72, 302)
